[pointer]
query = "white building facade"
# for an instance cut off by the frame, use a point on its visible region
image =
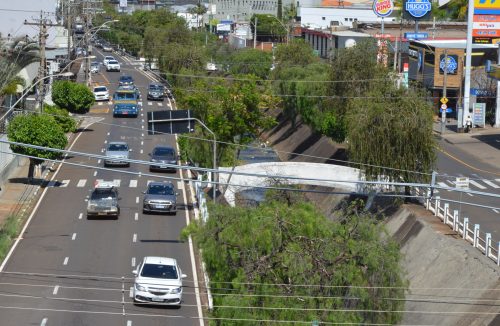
(325, 17)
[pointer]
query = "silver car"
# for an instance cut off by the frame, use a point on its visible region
(103, 201)
(117, 153)
(160, 197)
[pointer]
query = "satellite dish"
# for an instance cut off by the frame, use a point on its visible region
(349, 43)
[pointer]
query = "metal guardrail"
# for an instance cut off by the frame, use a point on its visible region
(470, 233)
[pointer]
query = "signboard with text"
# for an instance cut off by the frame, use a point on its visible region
(417, 9)
(486, 7)
(383, 8)
(479, 114)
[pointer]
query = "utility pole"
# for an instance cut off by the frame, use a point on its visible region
(42, 41)
(255, 33)
(68, 26)
(443, 111)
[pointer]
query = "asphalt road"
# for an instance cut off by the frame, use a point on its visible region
(484, 175)
(68, 270)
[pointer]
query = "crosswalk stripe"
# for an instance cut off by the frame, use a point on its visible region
(150, 103)
(491, 184)
(133, 184)
(117, 182)
(160, 104)
(477, 184)
(81, 183)
(442, 184)
(64, 183)
(450, 182)
(497, 180)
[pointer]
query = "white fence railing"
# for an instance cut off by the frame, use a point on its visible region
(471, 233)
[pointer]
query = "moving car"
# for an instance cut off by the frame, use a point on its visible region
(113, 65)
(156, 91)
(160, 197)
(161, 156)
(103, 201)
(101, 93)
(107, 48)
(158, 280)
(94, 67)
(117, 153)
(125, 80)
(107, 59)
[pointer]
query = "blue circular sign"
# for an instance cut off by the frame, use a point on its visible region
(451, 66)
(418, 8)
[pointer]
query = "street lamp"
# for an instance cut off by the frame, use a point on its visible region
(28, 89)
(214, 189)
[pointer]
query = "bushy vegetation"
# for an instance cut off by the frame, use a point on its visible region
(72, 96)
(62, 117)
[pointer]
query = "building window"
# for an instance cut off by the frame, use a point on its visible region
(346, 19)
(323, 18)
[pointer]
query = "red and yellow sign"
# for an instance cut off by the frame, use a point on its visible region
(486, 26)
(486, 7)
(383, 8)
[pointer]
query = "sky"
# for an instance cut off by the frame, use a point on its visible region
(14, 12)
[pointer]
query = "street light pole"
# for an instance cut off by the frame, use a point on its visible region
(214, 187)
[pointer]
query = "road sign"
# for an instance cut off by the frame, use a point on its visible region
(462, 183)
(444, 100)
(418, 8)
(170, 122)
(448, 110)
(444, 106)
(416, 36)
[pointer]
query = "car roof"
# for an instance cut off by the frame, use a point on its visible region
(117, 143)
(126, 77)
(100, 86)
(160, 260)
(122, 89)
(156, 84)
(109, 57)
(163, 146)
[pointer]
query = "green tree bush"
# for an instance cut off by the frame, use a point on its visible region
(72, 96)
(62, 117)
(36, 129)
(289, 263)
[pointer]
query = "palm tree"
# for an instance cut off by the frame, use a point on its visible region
(14, 56)
(198, 10)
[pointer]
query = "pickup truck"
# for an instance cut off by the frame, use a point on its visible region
(103, 201)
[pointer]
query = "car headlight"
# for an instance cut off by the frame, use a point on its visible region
(176, 290)
(139, 287)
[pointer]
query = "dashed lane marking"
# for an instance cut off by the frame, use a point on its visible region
(80, 216)
(137, 200)
(133, 262)
(44, 322)
(136, 216)
(81, 183)
(95, 173)
(134, 238)
(73, 237)
(117, 182)
(65, 262)
(56, 289)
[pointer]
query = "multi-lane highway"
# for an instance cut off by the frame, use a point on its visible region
(68, 270)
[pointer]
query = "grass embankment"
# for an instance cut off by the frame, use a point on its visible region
(8, 233)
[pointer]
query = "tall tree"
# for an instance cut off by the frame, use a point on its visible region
(35, 129)
(289, 263)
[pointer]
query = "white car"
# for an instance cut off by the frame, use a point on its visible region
(101, 93)
(158, 280)
(113, 65)
(107, 59)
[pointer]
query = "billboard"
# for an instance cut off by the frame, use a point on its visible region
(486, 21)
(123, 3)
(486, 7)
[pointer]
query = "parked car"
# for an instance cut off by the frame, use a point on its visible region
(160, 197)
(107, 59)
(156, 91)
(103, 201)
(101, 93)
(113, 65)
(107, 48)
(161, 156)
(95, 67)
(117, 153)
(125, 80)
(158, 280)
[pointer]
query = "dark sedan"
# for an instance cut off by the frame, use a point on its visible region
(162, 159)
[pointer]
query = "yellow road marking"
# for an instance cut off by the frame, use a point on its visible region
(464, 163)
(99, 110)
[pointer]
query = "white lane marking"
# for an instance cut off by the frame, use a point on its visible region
(496, 211)
(95, 173)
(133, 183)
(142, 114)
(497, 180)
(470, 194)
(179, 184)
(142, 142)
(44, 322)
(56, 289)
(134, 237)
(150, 103)
(73, 237)
(160, 104)
(131, 292)
(102, 150)
(480, 186)
(137, 200)
(142, 135)
(117, 182)
(64, 183)
(142, 121)
(81, 183)
(133, 262)
(491, 184)
(142, 151)
(100, 103)
(65, 262)
(129, 323)
(99, 161)
(105, 142)
(80, 216)
(139, 103)
(136, 216)
(109, 133)
(450, 182)
(442, 184)
(142, 127)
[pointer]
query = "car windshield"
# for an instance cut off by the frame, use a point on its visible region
(125, 96)
(156, 87)
(102, 194)
(160, 190)
(164, 151)
(100, 89)
(95, 64)
(109, 58)
(125, 79)
(118, 147)
(159, 271)
(113, 62)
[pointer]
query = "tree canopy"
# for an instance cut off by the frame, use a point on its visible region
(289, 263)
(72, 96)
